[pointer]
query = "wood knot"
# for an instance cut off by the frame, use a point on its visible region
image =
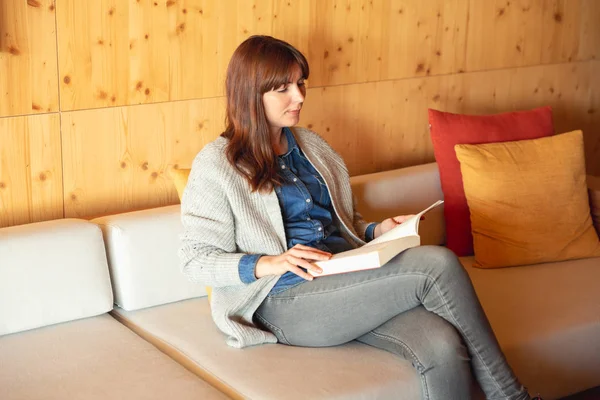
(558, 17)
(42, 177)
(145, 166)
(67, 79)
(14, 50)
(123, 164)
(147, 91)
(34, 3)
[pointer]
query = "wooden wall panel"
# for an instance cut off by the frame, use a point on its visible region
(383, 125)
(30, 169)
(529, 32)
(361, 41)
(118, 159)
(128, 72)
(117, 52)
(28, 71)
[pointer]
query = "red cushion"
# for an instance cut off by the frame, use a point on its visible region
(448, 130)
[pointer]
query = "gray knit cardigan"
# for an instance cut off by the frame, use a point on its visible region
(223, 220)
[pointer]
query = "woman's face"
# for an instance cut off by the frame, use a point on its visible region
(283, 104)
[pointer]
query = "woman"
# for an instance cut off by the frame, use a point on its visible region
(265, 200)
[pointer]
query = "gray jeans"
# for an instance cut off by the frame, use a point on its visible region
(421, 306)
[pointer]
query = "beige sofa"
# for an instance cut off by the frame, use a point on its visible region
(57, 340)
(547, 317)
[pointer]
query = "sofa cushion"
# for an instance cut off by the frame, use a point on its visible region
(403, 191)
(93, 358)
(187, 333)
(547, 320)
(142, 254)
(449, 129)
(52, 272)
(508, 186)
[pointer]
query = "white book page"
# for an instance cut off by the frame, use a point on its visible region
(407, 228)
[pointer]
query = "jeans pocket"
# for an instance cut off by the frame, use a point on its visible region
(272, 328)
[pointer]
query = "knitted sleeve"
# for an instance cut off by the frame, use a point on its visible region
(208, 249)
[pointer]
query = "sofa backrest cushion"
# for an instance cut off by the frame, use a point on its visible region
(52, 272)
(142, 255)
(403, 191)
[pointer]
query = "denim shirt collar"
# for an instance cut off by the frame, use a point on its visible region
(291, 142)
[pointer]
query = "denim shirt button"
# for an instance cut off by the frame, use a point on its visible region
(320, 229)
(283, 167)
(295, 179)
(308, 200)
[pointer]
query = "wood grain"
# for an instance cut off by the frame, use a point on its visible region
(114, 52)
(28, 70)
(30, 169)
(118, 159)
(383, 125)
(141, 84)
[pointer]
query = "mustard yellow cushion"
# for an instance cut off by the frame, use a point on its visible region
(180, 178)
(528, 201)
(594, 192)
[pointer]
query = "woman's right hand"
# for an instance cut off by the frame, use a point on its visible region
(296, 257)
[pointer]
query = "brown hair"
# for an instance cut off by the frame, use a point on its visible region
(258, 65)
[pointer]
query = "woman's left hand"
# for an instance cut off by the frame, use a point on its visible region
(389, 224)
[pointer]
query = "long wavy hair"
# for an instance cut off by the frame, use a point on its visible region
(260, 64)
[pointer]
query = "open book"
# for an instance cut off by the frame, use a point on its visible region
(378, 251)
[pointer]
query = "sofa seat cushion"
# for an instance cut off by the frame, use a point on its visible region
(93, 358)
(547, 320)
(186, 332)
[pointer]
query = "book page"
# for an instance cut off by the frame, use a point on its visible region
(407, 228)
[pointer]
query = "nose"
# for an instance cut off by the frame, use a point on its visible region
(298, 94)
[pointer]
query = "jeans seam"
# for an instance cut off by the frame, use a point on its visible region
(272, 327)
(420, 368)
(435, 284)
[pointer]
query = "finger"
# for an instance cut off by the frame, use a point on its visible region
(299, 262)
(313, 249)
(302, 274)
(402, 218)
(309, 254)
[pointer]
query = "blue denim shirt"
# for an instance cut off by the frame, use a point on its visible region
(307, 213)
